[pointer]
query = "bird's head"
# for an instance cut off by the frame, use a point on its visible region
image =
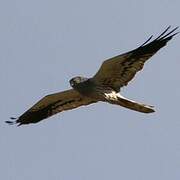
(74, 82)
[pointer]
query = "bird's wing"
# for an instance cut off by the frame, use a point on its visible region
(118, 71)
(52, 104)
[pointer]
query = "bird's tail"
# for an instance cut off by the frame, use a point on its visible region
(122, 101)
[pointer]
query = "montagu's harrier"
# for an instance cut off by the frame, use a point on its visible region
(104, 86)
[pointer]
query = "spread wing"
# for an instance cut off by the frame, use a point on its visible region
(52, 104)
(118, 71)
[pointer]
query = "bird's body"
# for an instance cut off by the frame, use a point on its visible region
(93, 90)
(104, 86)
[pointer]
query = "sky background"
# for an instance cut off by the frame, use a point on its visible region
(45, 43)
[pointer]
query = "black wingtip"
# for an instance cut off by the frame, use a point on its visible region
(165, 35)
(13, 118)
(163, 32)
(146, 41)
(12, 122)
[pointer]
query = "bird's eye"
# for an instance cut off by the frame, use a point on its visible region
(72, 83)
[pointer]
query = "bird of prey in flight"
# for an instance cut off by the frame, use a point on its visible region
(104, 86)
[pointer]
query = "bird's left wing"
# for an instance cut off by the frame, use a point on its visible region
(52, 104)
(118, 71)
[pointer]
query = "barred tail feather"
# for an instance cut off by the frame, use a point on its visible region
(133, 105)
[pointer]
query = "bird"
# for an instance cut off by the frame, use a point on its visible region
(104, 86)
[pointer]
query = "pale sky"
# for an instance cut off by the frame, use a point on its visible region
(45, 43)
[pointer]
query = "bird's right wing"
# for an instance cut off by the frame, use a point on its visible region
(116, 72)
(52, 104)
